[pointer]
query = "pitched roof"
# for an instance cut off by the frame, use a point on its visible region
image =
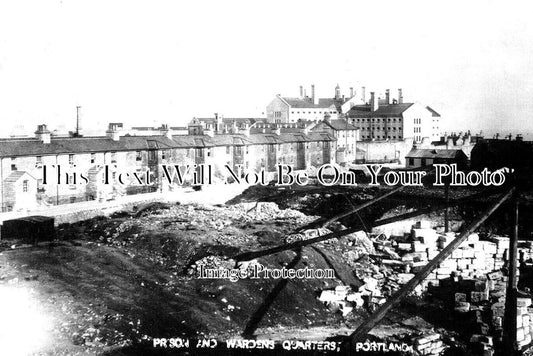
(391, 110)
(433, 112)
(323, 103)
(72, 145)
(15, 176)
(34, 147)
(433, 153)
(340, 125)
(229, 120)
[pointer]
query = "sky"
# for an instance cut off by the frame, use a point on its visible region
(145, 63)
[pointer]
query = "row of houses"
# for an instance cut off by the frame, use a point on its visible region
(47, 170)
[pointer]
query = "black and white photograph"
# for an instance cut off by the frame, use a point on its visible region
(274, 177)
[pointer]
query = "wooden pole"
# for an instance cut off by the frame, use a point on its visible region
(246, 256)
(447, 200)
(510, 346)
(375, 318)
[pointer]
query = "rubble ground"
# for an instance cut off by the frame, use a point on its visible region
(110, 283)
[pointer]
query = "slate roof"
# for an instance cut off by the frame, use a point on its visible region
(323, 103)
(73, 145)
(228, 120)
(433, 112)
(340, 125)
(391, 110)
(433, 153)
(15, 176)
(34, 147)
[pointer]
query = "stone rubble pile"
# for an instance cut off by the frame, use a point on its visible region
(429, 344)
(472, 280)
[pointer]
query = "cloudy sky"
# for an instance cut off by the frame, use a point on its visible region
(152, 62)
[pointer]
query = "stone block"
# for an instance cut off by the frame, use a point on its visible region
(419, 246)
(462, 307)
(520, 336)
(426, 339)
(460, 297)
(329, 296)
(468, 253)
(523, 302)
(473, 238)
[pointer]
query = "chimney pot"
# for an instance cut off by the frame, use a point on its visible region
(400, 96)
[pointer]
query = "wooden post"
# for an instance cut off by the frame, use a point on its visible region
(510, 345)
(375, 318)
(246, 256)
(447, 201)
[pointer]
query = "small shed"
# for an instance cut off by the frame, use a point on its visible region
(32, 228)
(418, 157)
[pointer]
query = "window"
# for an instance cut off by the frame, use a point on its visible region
(208, 152)
(72, 200)
(199, 152)
(277, 113)
(411, 161)
(228, 150)
(71, 159)
(247, 150)
(38, 160)
(13, 163)
(152, 155)
(138, 156)
(165, 154)
(93, 157)
(25, 186)
(113, 157)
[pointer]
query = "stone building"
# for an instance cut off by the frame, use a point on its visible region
(382, 120)
(304, 108)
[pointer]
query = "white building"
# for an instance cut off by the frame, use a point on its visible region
(382, 120)
(305, 108)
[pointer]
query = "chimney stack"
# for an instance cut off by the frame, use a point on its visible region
(43, 134)
(363, 95)
(313, 95)
(301, 91)
(78, 121)
(351, 92)
(165, 130)
(400, 96)
(374, 105)
(113, 132)
(387, 96)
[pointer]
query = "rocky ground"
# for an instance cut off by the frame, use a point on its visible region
(110, 285)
